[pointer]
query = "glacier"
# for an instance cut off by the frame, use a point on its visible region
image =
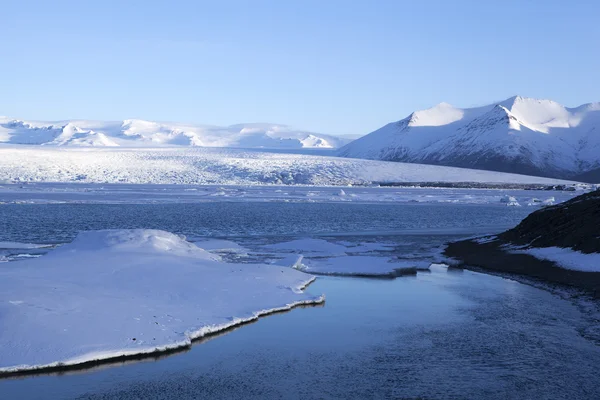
(221, 166)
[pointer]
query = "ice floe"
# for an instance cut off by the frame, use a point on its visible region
(220, 246)
(367, 266)
(121, 293)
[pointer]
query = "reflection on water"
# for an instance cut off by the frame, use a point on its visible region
(455, 334)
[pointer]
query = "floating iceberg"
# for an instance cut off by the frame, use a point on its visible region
(119, 293)
(510, 201)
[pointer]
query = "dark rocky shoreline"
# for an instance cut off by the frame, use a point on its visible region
(573, 224)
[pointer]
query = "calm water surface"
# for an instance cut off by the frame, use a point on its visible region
(442, 334)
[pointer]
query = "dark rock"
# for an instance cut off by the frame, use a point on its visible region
(573, 224)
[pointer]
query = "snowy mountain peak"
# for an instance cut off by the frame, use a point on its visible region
(441, 114)
(519, 134)
(499, 117)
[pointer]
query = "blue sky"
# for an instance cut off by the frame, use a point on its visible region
(340, 67)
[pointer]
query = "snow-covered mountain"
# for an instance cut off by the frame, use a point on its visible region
(520, 135)
(139, 133)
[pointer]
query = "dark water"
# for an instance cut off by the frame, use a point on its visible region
(60, 222)
(443, 334)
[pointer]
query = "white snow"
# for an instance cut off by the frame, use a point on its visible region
(485, 239)
(566, 258)
(345, 258)
(129, 292)
(140, 133)
(204, 166)
(510, 201)
(363, 266)
(541, 133)
(537, 202)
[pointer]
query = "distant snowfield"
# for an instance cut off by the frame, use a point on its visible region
(141, 291)
(140, 133)
(202, 166)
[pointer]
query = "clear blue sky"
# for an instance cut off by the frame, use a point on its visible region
(340, 67)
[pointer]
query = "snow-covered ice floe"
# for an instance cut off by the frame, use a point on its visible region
(564, 257)
(365, 266)
(119, 293)
(357, 258)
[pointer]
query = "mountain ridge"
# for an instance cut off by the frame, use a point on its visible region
(518, 135)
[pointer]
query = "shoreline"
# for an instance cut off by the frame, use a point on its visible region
(491, 257)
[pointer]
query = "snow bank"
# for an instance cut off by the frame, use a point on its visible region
(566, 258)
(129, 292)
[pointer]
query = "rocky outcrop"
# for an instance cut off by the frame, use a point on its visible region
(573, 224)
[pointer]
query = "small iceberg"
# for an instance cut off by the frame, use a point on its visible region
(510, 201)
(550, 201)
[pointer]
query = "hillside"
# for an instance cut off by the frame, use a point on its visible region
(518, 135)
